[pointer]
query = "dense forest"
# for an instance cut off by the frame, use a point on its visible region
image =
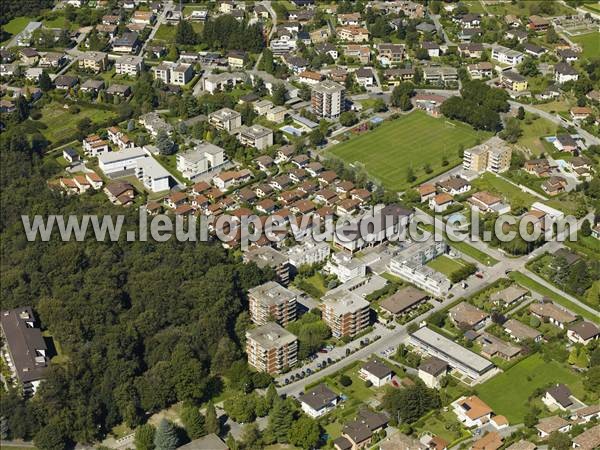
(15, 8)
(140, 325)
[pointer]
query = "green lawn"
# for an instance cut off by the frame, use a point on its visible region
(508, 393)
(474, 253)
(442, 424)
(61, 123)
(590, 44)
(16, 25)
(165, 33)
(498, 185)
(533, 285)
(534, 128)
(445, 265)
(410, 141)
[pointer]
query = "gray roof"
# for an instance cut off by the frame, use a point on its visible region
(24, 339)
(451, 349)
(318, 397)
(271, 335)
(266, 256)
(403, 299)
(586, 330)
(271, 293)
(561, 394)
(129, 38)
(565, 69)
(434, 366)
(377, 368)
(208, 442)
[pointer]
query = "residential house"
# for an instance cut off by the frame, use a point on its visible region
(127, 43)
(154, 124)
(365, 77)
(65, 82)
(441, 202)
(454, 186)
(431, 371)
(549, 425)
(519, 331)
(94, 61)
(533, 49)
(203, 158)
(440, 75)
(472, 411)
(554, 185)
(537, 23)
(488, 203)
(433, 49)
(390, 54)
(225, 119)
(508, 296)
(226, 179)
(470, 50)
(583, 333)
(552, 313)
(588, 440)
(94, 146)
(52, 60)
(128, 65)
(256, 136)
(513, 81)
(318, 401)
(506, 55)
(564, 72)
(353, 34)
(558, 396)
(580, 112)
(236, 59)
(92, 86)
(376, 372)
(465, 315)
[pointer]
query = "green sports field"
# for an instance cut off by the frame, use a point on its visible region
(413, 141)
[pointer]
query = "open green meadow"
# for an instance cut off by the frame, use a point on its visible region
(15, 26)
(499, 186)
(61, 123)
(590, 44)
(413, 141)
(508, 393)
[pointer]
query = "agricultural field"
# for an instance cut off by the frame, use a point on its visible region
(508, 393)
(61, 123)
(589, 43)
(389, 151)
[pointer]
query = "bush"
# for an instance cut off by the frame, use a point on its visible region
(535, 322)
(345, 380)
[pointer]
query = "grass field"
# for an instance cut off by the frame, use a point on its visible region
(62, 123)
(498, 185)
(533, 131)
(474, 253)
(165, 33)
(16, 25)
(410, 141)
(508, 393)
(445, 265)
(533, 285)
(589, 43)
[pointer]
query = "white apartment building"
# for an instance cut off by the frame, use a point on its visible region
(327, 99)
(345, 267)
(309, 253)
(153, 176)
(93, 146)
(121, 161)
(256, 136)
(128, 65)
(203, 158)
(225, 119)
(410, 265)
(506, 55)
(271, 348)
(178, 74)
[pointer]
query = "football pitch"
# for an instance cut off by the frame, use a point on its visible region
(414, 140)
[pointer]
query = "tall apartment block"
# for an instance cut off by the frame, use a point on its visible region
(271, 348)
(492, 156)
(346, 313)
(268, 256)
(272, 302)
(327, 99)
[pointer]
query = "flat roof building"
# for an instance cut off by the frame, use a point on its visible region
(345, 312)
(454, 354)
(271, 348)
(272, 302)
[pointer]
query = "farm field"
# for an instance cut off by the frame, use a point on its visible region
(498, 185)
(61, 123)
(508, 392)
(589, 43)
(410, 141)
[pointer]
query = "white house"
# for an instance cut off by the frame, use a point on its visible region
(318, 401)
(376, 372)
(123, 160)
(203, 158)
(153, 176)
(345, 267)
(583, 333)
(472, 411)
(431, 371)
